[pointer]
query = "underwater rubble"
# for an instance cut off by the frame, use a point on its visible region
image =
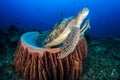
(102, 63)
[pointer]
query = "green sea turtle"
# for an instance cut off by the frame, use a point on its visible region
(67, 27)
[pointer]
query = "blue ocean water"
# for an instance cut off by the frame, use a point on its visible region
(43, 14)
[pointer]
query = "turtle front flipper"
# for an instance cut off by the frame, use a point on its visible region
(70, 43)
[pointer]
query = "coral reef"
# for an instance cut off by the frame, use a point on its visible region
(36, 63)
(102, 63)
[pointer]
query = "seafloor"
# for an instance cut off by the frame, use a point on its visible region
(102, 63)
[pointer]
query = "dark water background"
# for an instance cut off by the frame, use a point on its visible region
(43, 14)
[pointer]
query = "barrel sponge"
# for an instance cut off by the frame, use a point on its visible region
(37, 63)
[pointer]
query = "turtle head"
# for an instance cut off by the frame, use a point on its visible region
(81, 16)
(84, 12)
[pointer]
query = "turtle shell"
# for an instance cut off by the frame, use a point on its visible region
(57, 30)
